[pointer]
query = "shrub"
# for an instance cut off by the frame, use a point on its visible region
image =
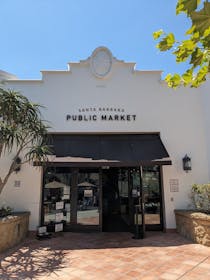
(200, 196)
(5, 211)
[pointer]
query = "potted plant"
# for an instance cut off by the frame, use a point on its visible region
(23, 134)
(5, 211)
(200, 197)
(194, 224)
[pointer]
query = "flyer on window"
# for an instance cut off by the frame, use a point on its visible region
(59, 205)
(58, 227)
(58, 217)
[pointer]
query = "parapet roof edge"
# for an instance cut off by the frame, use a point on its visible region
(85, 61)
(55, 71)
(69, 71)
(149, 71)
(24, 81)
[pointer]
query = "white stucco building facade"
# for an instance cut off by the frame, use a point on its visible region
(81, 99)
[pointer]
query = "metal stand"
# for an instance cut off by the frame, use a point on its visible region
(138, 235)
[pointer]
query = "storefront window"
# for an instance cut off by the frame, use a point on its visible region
(75, 197)
(88, 198)
(56, 196)
(152, 198)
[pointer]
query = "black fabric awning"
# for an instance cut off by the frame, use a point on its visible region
(109, 149)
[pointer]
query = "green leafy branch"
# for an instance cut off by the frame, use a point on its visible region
(195, 49)
(22, 131)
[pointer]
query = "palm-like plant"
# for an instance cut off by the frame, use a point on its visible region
(22, 131)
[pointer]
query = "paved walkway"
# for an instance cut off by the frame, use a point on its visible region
(112, 256)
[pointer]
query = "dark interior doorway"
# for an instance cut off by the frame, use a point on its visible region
(115, 200)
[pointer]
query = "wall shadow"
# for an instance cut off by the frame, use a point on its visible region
(33, 258)
(30, 260)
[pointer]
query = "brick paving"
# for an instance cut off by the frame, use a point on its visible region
(112, 256)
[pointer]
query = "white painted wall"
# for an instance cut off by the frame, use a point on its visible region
(205, 93)
(27, 197)
(181, 116)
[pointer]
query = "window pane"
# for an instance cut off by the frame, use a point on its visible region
(151, 186)
(57, 193)
(88, 198)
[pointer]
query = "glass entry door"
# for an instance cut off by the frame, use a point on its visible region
(152, 197)
(116, 199)
(131, 196)
(88, 196)
(122, 195)
(137, 202)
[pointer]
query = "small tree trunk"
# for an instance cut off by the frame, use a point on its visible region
(1, 185)
(4, 180)
(1, 149)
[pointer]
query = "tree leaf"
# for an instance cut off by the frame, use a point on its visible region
(176, 78)
(157, 34)
(206, 43)
(166, 43)
(200, 77)
(190, 31)
(196, 49)
(187, 77)
(173, 81)
(197, 57)
(184, 50)
(206, 32)
(187, 6)
(201, 19)
(202, 73)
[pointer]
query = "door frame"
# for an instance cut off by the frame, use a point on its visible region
(73, 226)
(74, 182)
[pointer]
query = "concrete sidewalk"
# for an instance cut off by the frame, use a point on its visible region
(98, 256)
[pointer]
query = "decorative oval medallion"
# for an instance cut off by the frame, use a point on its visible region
(101, 62)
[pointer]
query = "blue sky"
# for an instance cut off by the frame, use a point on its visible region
(46, 34)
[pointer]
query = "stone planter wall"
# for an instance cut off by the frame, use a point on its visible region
(194, 226)
(13, 229)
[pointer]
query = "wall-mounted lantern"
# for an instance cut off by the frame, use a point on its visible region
(17, 164)
(187, 166)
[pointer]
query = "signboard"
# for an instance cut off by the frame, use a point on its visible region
(67, 206)
(42, 230)
(59, 217)
(88, 193)
(174, 185)
(105, 114)
(59, 227)
(134, 193)
(59, 205)
(17, 183)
